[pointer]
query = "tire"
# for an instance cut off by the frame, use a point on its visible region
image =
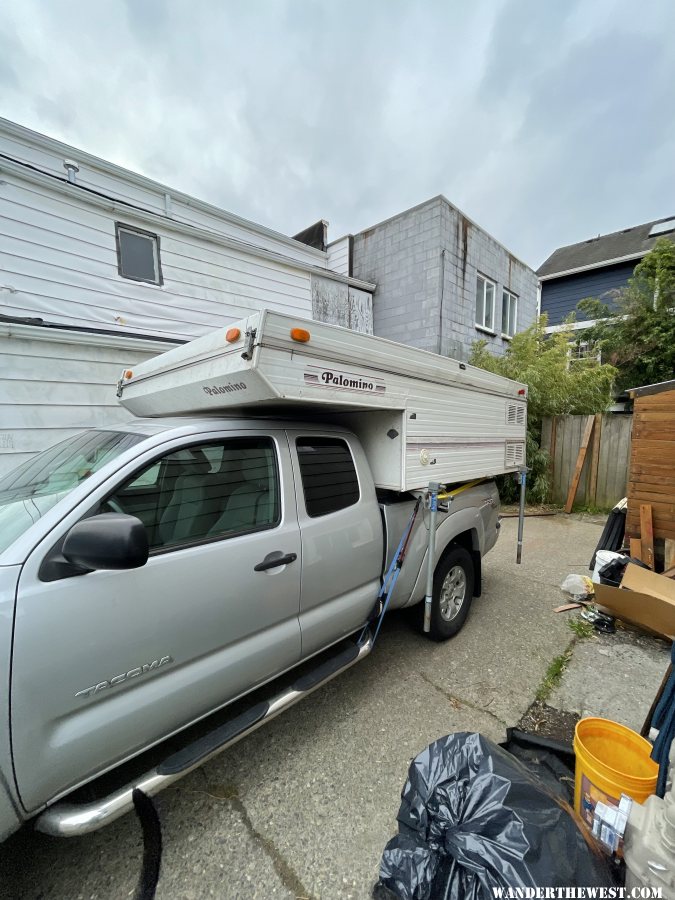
(453, 593)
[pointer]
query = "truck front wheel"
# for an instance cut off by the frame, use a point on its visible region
(453, 593)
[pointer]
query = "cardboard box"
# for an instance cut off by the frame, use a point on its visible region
(644, 598)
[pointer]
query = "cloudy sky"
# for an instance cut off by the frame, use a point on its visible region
(545, 121)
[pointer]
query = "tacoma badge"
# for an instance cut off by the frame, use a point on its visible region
(125, 676)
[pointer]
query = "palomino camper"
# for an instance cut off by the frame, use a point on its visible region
(420, 417)
(301, 485)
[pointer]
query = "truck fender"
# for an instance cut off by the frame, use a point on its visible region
(466, 524)
(10, 820)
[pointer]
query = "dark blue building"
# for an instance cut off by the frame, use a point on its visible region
(595, 268)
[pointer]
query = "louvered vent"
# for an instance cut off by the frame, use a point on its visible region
(515, 414)
(515, 454)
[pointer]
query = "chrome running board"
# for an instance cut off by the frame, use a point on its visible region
(66, 819)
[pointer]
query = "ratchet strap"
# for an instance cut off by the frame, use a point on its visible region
(391, 576)
(448, 495)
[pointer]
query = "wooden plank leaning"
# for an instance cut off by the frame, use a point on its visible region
(647, 534)
(576, 477)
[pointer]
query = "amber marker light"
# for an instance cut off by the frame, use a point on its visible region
(300, 334)
(232, 335)
(128, 374)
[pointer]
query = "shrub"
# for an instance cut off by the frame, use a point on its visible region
(556, 386)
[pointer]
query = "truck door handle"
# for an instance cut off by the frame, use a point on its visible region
(272, 560)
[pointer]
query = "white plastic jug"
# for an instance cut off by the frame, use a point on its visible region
(602, 557)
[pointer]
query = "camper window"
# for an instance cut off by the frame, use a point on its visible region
(138, 254)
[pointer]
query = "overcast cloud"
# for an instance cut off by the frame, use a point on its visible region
(545, 121)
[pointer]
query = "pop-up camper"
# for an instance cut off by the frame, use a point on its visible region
(420, 417)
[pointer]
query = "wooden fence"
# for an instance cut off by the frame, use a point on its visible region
(604, 476)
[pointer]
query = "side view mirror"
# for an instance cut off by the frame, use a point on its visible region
(107, 541)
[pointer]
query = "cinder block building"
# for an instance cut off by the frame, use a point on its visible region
(442, 281)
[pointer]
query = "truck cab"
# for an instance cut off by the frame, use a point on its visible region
(160, 570)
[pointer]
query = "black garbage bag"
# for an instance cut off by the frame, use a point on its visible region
(472, 818)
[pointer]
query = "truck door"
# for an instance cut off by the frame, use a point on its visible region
(342, 536)
(107, 663)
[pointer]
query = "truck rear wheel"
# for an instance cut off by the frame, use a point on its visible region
(453, 593)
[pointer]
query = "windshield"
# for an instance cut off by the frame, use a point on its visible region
(29, 491)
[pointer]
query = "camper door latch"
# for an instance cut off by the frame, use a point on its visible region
(250, 343)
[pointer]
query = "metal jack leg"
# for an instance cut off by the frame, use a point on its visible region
(522, 475)
(434, 489)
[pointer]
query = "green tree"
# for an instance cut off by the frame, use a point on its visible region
(638, 337)
(556, 386)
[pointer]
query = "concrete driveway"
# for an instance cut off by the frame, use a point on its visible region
(304, 807)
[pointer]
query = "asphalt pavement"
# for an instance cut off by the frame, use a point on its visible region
(303, 807)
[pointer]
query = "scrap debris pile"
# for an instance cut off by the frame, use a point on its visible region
(474, 818)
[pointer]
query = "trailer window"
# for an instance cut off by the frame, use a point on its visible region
(329, 479)
(138, 254)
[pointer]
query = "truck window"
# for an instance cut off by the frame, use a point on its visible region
(329, 479)
(204, 492)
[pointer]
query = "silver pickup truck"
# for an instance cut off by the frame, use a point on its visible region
(153, 573)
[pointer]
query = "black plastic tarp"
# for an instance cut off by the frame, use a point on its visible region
(472, 818)
(613, 533)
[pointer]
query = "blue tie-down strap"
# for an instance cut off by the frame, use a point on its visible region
(664, 721)
(390, 578)
(386, 590)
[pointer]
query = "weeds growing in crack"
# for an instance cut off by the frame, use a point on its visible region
(554, 674)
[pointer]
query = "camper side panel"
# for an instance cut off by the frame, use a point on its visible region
(458, 435)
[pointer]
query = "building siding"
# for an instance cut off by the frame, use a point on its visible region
(47, 155)
(338, 255)
(59, 266)
(53, 385)
(59, 263)
(559, 296)
(338, 304)
(424, 263)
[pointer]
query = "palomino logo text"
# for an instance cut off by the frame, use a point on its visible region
(341, 381)
(125, 676)
(344, 381)
(225, 388)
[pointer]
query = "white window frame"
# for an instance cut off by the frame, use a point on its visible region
(149, 235)
(586, 351)
(481, 326)
(511, 326)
